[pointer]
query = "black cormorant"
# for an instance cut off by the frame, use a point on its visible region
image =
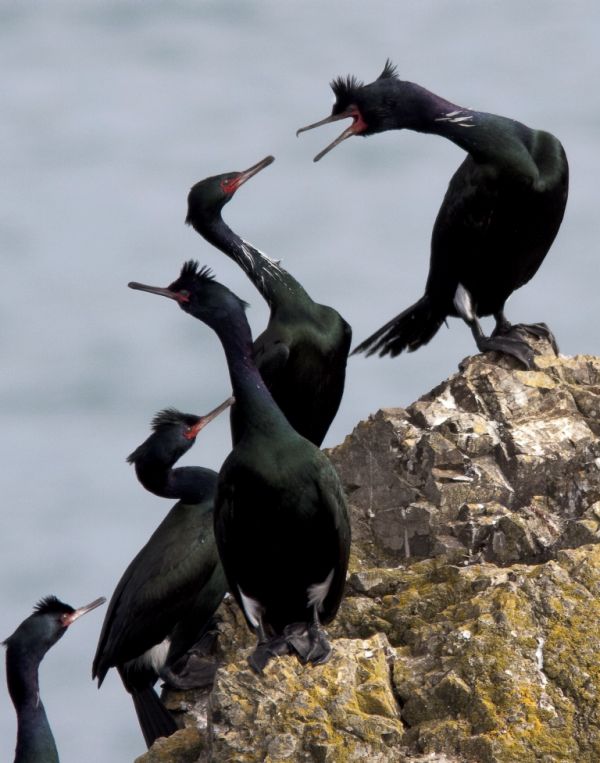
(499, 217)
(302, 353)
(165, 600)
(281, 521)
(25, 650)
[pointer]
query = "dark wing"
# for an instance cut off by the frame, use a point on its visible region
(271, 353)
(462, 229)
(333, 503)
(158, 587)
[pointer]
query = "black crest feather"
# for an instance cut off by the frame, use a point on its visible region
(170, 416)
(389, 71)
(344, 89)
(50, 605)
(192, 269)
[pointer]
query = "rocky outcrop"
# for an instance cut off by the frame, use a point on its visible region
(469, 630)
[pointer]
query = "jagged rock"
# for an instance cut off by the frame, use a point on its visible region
(469, 630)
(496, 464)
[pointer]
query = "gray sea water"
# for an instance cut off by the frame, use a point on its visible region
(110, 111)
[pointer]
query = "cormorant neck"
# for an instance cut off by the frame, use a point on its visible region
(489, 138)
(252, 398)
(272, 281)
(34, 736)
(189, 484)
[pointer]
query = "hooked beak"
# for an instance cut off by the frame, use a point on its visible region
(355, 128)
(250, 172)
(204, 420)
(162, 292)
(70, 619)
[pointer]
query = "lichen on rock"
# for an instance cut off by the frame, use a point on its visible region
(469, 629)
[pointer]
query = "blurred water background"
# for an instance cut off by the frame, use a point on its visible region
(110, 112)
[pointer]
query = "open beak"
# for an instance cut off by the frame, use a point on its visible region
(355, 129)
(70, 619)
(204, 420)
(251, 171)
(162, 292)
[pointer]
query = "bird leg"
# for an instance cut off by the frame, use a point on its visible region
(538, 330)
(517, 347)
(509, 345)
(266, 648)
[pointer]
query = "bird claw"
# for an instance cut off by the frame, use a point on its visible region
(265, 651)
(538, 330)
(517, 348)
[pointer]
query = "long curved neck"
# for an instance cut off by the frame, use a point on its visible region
(273, 282)
(35, 741)
(252, 398)
(488, 138)
(190, 484)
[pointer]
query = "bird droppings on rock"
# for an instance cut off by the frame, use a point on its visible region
(405, 683)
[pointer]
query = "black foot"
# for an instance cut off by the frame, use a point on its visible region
(309, 642)
(196, 668)
(266, 650)
(538, 330)
(509, 345)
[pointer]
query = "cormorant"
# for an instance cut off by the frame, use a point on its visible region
(499, 217)
(164, 603)
(302, 353)
(281, 521)
(25, 650)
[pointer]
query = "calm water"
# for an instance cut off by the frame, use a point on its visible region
(110, 111)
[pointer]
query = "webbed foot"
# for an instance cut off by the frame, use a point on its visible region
(509, 345)
(266, 650)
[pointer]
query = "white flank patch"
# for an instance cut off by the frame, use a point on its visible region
(252, 608)
(156, 657)
(318, 591)
(463, 303)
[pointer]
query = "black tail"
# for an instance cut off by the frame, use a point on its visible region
(155, 720)
(408, 331)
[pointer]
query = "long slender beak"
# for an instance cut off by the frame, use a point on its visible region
(251, 171)
(204, 420)
(162, 292)
(70, 619)
(354, 129)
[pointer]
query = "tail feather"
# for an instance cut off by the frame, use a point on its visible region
(408, 331)
(154, 718)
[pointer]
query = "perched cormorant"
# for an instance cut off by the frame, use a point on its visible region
(499, 217)
(302, 353)
(165, 600)
(281, 522)
(25, 649)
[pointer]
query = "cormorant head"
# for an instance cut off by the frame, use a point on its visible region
(197, 292)
(49, 622)
(173, 434)
(207, 198)
(371, 107)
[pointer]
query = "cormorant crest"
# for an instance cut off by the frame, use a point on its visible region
(169, 416)
(51, 605)
(389, 71)
(192, 269)
(344, 89)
